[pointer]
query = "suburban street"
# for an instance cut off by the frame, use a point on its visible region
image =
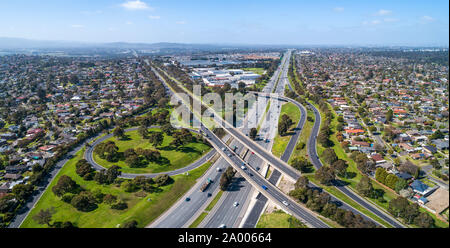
(312, 153)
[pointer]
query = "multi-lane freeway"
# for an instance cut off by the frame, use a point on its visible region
(287, 170)
(259, 182)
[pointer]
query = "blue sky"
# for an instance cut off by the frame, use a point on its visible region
(319, 22)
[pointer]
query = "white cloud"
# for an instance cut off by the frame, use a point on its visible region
(154, 17)
(427, 19)
(136, 5)
(375, 22)
(383, 12)
(338, 9)
(77, 26)
(390, 20)
(181, 22)
(371, 23)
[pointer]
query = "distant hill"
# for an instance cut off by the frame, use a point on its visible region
(20, 43)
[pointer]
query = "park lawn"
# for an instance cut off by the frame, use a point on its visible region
(259, 71)
(176, 158)
(280, 142)
(139, 208)
(304, 137)
(278, 219)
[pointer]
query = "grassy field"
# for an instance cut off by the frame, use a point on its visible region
(175, 158)
(278, 219)
(280, 142)
(259, 71)
(139, 208)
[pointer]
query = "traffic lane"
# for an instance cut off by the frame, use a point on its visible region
(197, 199)
(281, 197)
(271, 190)
(294, 139)
(184, 212)
(265, 155)
(317, 163)
(242, 193)
(227, 213)
(366, 205)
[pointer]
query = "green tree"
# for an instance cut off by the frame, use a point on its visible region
(424, 220)
(162, 179)
(130, 224)
(391, 181)
(83, 167)
(380, 175)
(302, 182)
(156, 138)
(143, 131)
(329, 156)
(389, 115)
(84, 201)
(400, 184)
(365, 186)
(398, 206)
(340, 167)
(119, 132)
(253, 133)
(133, 161)
(325, 175)
(167, 129)
(64, 185)
(22, 191)
(44, 216)
(302, 164)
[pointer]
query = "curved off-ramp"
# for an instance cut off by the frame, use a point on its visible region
(88, 155)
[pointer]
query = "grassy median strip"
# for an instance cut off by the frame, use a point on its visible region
(205, 213)
(214, 201)
(264, 116)
(269, 171)
(280, 142)
(198, 220)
